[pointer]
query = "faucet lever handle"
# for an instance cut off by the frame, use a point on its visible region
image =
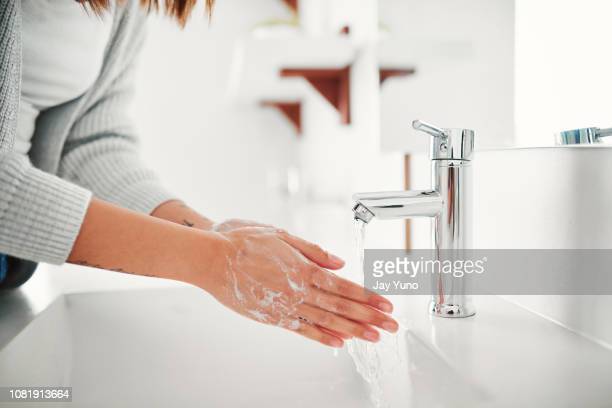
(429, 129)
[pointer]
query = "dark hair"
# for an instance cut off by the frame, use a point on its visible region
(178, 9)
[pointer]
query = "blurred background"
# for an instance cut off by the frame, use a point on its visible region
(204, 86)
(499, 67)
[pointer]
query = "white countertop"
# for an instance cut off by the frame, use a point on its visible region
(505, 356)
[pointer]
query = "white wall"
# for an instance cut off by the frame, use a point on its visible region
(563, 78)
(463, 51)
(219, 156)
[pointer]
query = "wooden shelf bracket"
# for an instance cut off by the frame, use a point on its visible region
(290, 110)
(292, 4)
(333, 84)
(386, 73)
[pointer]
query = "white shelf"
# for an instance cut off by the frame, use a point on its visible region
(260, 58)
(396, 52)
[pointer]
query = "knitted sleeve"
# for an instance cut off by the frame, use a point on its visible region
(40, 214)
(101, 152)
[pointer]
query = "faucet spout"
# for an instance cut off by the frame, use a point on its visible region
(397, 205)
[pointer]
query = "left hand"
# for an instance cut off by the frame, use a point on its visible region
(269, 275)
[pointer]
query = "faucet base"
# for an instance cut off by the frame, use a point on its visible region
(450, 310)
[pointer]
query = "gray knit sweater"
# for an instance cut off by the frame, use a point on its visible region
(82, 147)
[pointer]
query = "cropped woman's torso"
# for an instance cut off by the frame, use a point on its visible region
(63, 47)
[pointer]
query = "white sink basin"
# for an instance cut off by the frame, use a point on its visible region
(173, 348)
(178, 348)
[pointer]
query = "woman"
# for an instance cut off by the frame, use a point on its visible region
(72, 188)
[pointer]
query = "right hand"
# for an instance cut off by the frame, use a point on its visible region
(275, 278)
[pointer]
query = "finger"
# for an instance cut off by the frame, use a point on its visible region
(335, 333)
(313, 252)
(334, 284)
(235, 224)
(314, 333)
(343, 336)
(337, 323)
(349, 309)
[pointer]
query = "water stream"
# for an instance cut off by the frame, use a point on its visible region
(378, 363)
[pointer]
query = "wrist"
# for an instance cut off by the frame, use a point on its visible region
(211, 260)
(178, 212)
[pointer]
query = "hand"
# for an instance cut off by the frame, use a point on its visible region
(275, 278)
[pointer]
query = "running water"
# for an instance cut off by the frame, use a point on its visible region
(377, 363)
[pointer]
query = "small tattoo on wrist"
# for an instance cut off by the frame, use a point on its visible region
(120, 270)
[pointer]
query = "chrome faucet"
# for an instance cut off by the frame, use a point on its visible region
(448, 203)
(582, 136)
